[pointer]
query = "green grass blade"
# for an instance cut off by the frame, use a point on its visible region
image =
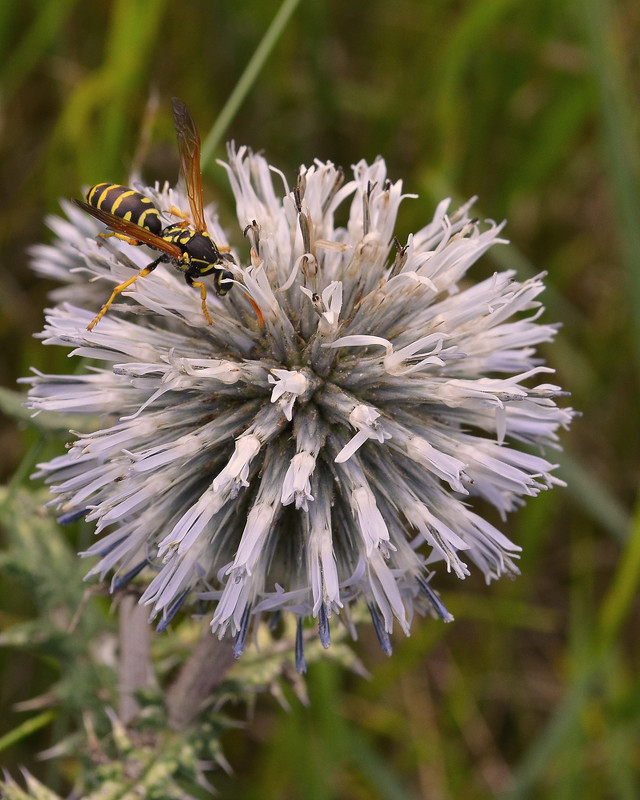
(592, 667)
(247, 79)
(28, 727)
(622, 596)
(621, 151)
(41, 35)
(594, 498)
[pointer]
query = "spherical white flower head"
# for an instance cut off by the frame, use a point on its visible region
(329, 456)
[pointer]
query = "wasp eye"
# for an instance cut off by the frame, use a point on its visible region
(223, 281)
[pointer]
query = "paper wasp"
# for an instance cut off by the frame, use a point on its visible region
(134, 218)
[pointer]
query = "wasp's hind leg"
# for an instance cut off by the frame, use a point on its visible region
(186, 219)
(122, 236)
(203, 295)
(122, 286)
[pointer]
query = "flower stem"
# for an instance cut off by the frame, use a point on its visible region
(204, 671)
(135, 671)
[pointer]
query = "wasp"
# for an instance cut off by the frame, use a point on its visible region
(134, 218)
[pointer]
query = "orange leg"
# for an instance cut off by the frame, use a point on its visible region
(122, 236)
(120, 288)
(256, 308)
(203, 295)
(186, 219)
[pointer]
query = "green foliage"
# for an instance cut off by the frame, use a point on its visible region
(533, 691)
(145, 758)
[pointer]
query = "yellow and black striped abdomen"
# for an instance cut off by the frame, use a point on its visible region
(127, 204)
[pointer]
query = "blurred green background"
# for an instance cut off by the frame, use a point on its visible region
(533, 106)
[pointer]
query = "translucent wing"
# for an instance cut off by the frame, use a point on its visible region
(189, 149)
(131, 229)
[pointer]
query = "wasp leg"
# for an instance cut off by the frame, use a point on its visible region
(121, 236)
(256, 308)
(186, 219)
(203, 295)
(121, 287)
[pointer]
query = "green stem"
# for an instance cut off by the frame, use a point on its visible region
(247, 79)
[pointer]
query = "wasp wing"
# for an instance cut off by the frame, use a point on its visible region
(189, 150)
(131, 229)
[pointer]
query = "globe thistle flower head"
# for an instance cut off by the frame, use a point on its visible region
(332, 455)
